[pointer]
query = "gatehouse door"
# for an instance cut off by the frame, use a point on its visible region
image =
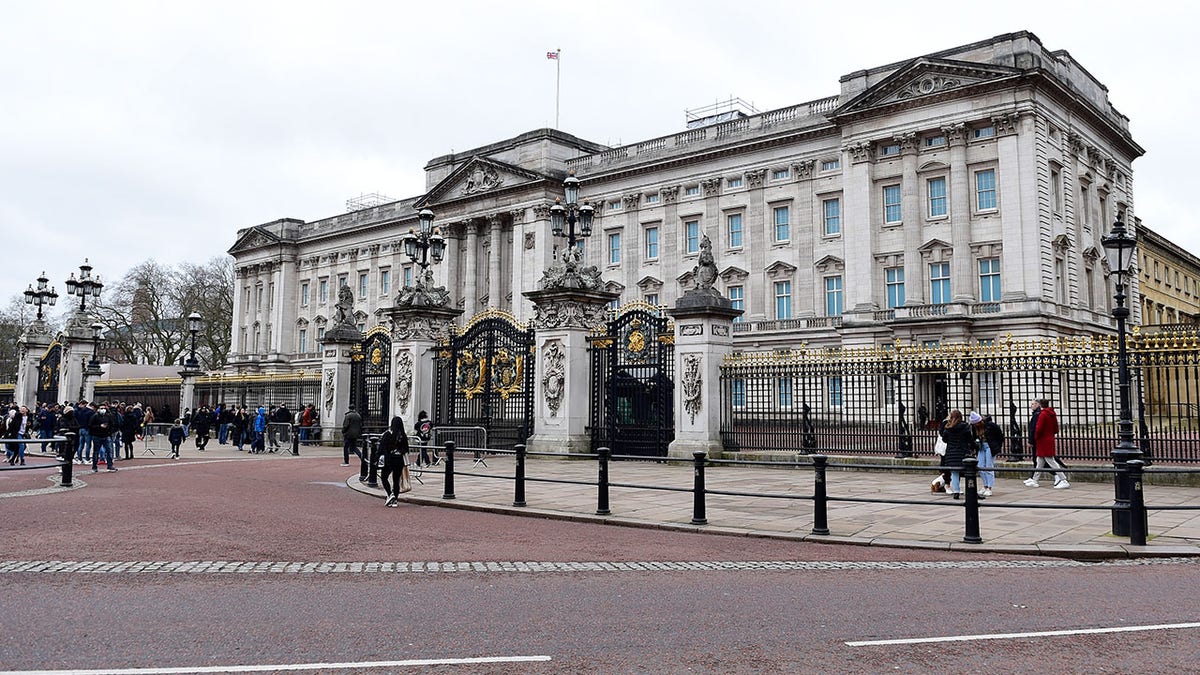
(633, 387)
(484, 380)
(370, 375)
(48, 371)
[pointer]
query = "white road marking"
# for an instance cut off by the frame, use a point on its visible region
(1016, 636)
(193, 567)
(284, 666)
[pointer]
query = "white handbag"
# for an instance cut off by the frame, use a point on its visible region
(939, 447)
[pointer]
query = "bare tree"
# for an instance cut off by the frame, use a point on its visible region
(208, 290)
(145, 313)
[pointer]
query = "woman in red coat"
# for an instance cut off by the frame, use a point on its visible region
(1043, 434)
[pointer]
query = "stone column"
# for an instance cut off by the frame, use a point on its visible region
(563, 317)
(30, 349)
(494, 248)
(77, 347)
(703, 336)
(187, 389)
(416, 332)
(858, 186)
(911, 214)
(336, 360)
(470, 272)
(962, 287)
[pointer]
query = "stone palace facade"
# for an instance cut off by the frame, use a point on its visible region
(953, 197)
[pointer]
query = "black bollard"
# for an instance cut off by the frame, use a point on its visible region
(295, 442)
(970, 476)
(602, 483)
(67, 457)
(1138, 523)
(373, 462)
(698, 491)
(820, 496)
(448, 472)
(519, 482)
(364, 458)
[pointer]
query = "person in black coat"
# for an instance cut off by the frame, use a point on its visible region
(102, 425)
(201, 423)
(960, 442)
(393, 449)
(131, 426)
(68, 427)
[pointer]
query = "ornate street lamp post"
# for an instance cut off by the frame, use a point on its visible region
(563, 217)
(41, 296)
(97, 330)
(570, 273)
(424, 247)
(1120, 244)
(84, 286)
(193, 328)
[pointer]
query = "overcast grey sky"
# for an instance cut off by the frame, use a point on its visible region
(136, 130)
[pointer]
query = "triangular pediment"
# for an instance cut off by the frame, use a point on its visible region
(614, 287)
(933, 245)
(780, 267)
(925, 78)
(477, 176)
(829, 262)
(255, 237)
(734, 273)
(649, 283)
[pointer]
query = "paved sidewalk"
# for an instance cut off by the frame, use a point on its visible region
(936, 522)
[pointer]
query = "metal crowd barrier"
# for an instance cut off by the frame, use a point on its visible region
(67, 465)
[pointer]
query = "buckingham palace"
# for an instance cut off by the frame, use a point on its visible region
(955, 197)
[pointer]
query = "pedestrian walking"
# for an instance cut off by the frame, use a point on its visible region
(351, 432)
(260, 430)
(175, 436)
(241, 420)
(393, 457)
(102, 425)
(202, 421)
(425, 435)
(1044, 432)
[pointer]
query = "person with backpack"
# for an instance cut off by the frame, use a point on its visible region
(393, 457)
(260, 429)
(425, 434)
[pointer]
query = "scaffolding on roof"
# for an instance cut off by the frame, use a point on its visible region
(367, 201)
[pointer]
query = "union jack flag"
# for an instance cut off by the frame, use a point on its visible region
(552, 55)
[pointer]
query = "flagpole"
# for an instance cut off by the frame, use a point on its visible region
(557, 82)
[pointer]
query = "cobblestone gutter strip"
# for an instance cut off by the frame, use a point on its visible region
(486, 567)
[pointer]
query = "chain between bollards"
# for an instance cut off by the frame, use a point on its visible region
(519, 489)
(970, 477)
(820, 496)
(1138, 524)
(698, 492)
(448, 472)
(602, 483)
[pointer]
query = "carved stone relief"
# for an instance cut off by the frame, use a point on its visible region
(481, 179)
(859, 152)
(754, 179)
(404, 380)
(670, 194)
(568, 314)
(930, 84)
(327, 391)
(804, 169)
(530, 240)
(554, 377)
(711, 186)
(693, 385)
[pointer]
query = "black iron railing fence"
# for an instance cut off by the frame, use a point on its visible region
(890, 399)
(821, 497)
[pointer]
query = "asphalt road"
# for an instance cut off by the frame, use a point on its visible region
(635, 601)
